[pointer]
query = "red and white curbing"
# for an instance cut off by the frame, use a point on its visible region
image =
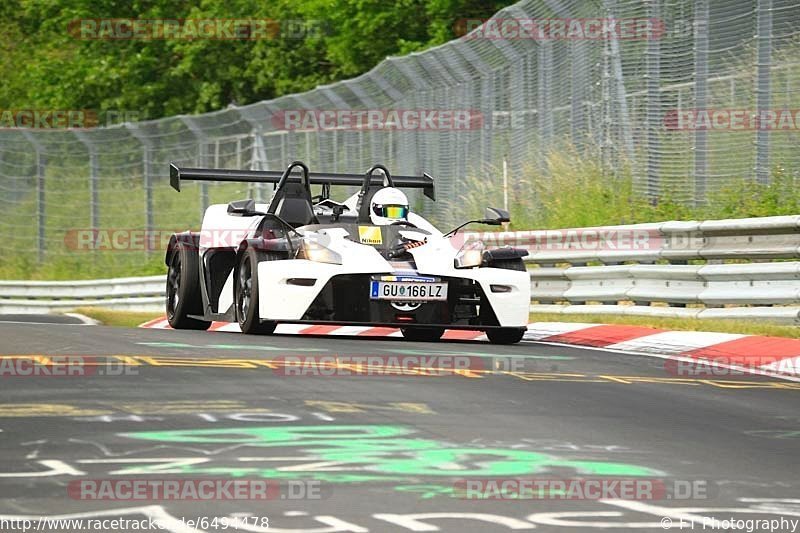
(749, 353)
(305, 329)
(776, 355)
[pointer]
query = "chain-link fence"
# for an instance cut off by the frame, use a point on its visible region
(629, 79)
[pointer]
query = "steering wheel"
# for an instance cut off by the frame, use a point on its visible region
(403, 223)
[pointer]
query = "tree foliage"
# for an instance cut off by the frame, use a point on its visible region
(44, 66)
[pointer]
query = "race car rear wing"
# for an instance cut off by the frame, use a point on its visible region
(176, 174)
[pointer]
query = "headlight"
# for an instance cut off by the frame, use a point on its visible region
(470, 255)
(314, 251)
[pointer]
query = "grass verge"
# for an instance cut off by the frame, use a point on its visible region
(128, 319)
(571, 189)
(677, 324)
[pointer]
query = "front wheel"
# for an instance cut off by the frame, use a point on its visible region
(505, 335)
(509, 264)
(422, 334)
(246, 293)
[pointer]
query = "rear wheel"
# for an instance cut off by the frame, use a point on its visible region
(505, 335)
(183, 290)
(422, 334)
(246, 293)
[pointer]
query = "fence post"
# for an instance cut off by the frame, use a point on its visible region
(578, 75)
(410, 142)
(464, 96)
(201, 159)
(544, 104)
(763, 64)
(258, 160)
(619, 84)
(238, 153)
(700, 98)
(487, 101)
(307, 135)
(258, 152)
(147, 168)
(653, 118)
(513, 144)
(94, 205)
(41, 164)
(364, 101)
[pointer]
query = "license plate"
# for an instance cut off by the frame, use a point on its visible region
(408, 291)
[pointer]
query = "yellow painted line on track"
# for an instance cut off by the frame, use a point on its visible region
(121, 409)
(21, 410)
(293, 368)
(350, 407)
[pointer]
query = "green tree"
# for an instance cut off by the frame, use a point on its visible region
(44, 66)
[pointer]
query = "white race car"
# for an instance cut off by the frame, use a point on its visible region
(300, 259)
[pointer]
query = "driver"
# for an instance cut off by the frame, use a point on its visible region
(388, 206)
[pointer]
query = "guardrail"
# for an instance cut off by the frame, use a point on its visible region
(124, 294)
(752, 239)
(766, 291)
(645, 269)
(672, 269)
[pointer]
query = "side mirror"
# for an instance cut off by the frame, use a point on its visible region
(494, 216)
(242, 208)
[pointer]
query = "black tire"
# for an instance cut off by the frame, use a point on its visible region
(509, 264)
(245, 293)
(183, 289)
(422, 334)
(505, 335)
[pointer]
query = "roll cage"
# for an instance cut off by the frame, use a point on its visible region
(293, 193)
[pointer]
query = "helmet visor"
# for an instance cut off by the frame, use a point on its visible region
(391, 211)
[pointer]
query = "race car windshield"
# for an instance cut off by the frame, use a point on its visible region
(391, 211)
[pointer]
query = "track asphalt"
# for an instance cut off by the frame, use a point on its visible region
(371, 452)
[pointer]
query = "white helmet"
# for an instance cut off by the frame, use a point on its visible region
(388, 205)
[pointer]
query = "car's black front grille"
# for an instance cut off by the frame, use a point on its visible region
(346, 298)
